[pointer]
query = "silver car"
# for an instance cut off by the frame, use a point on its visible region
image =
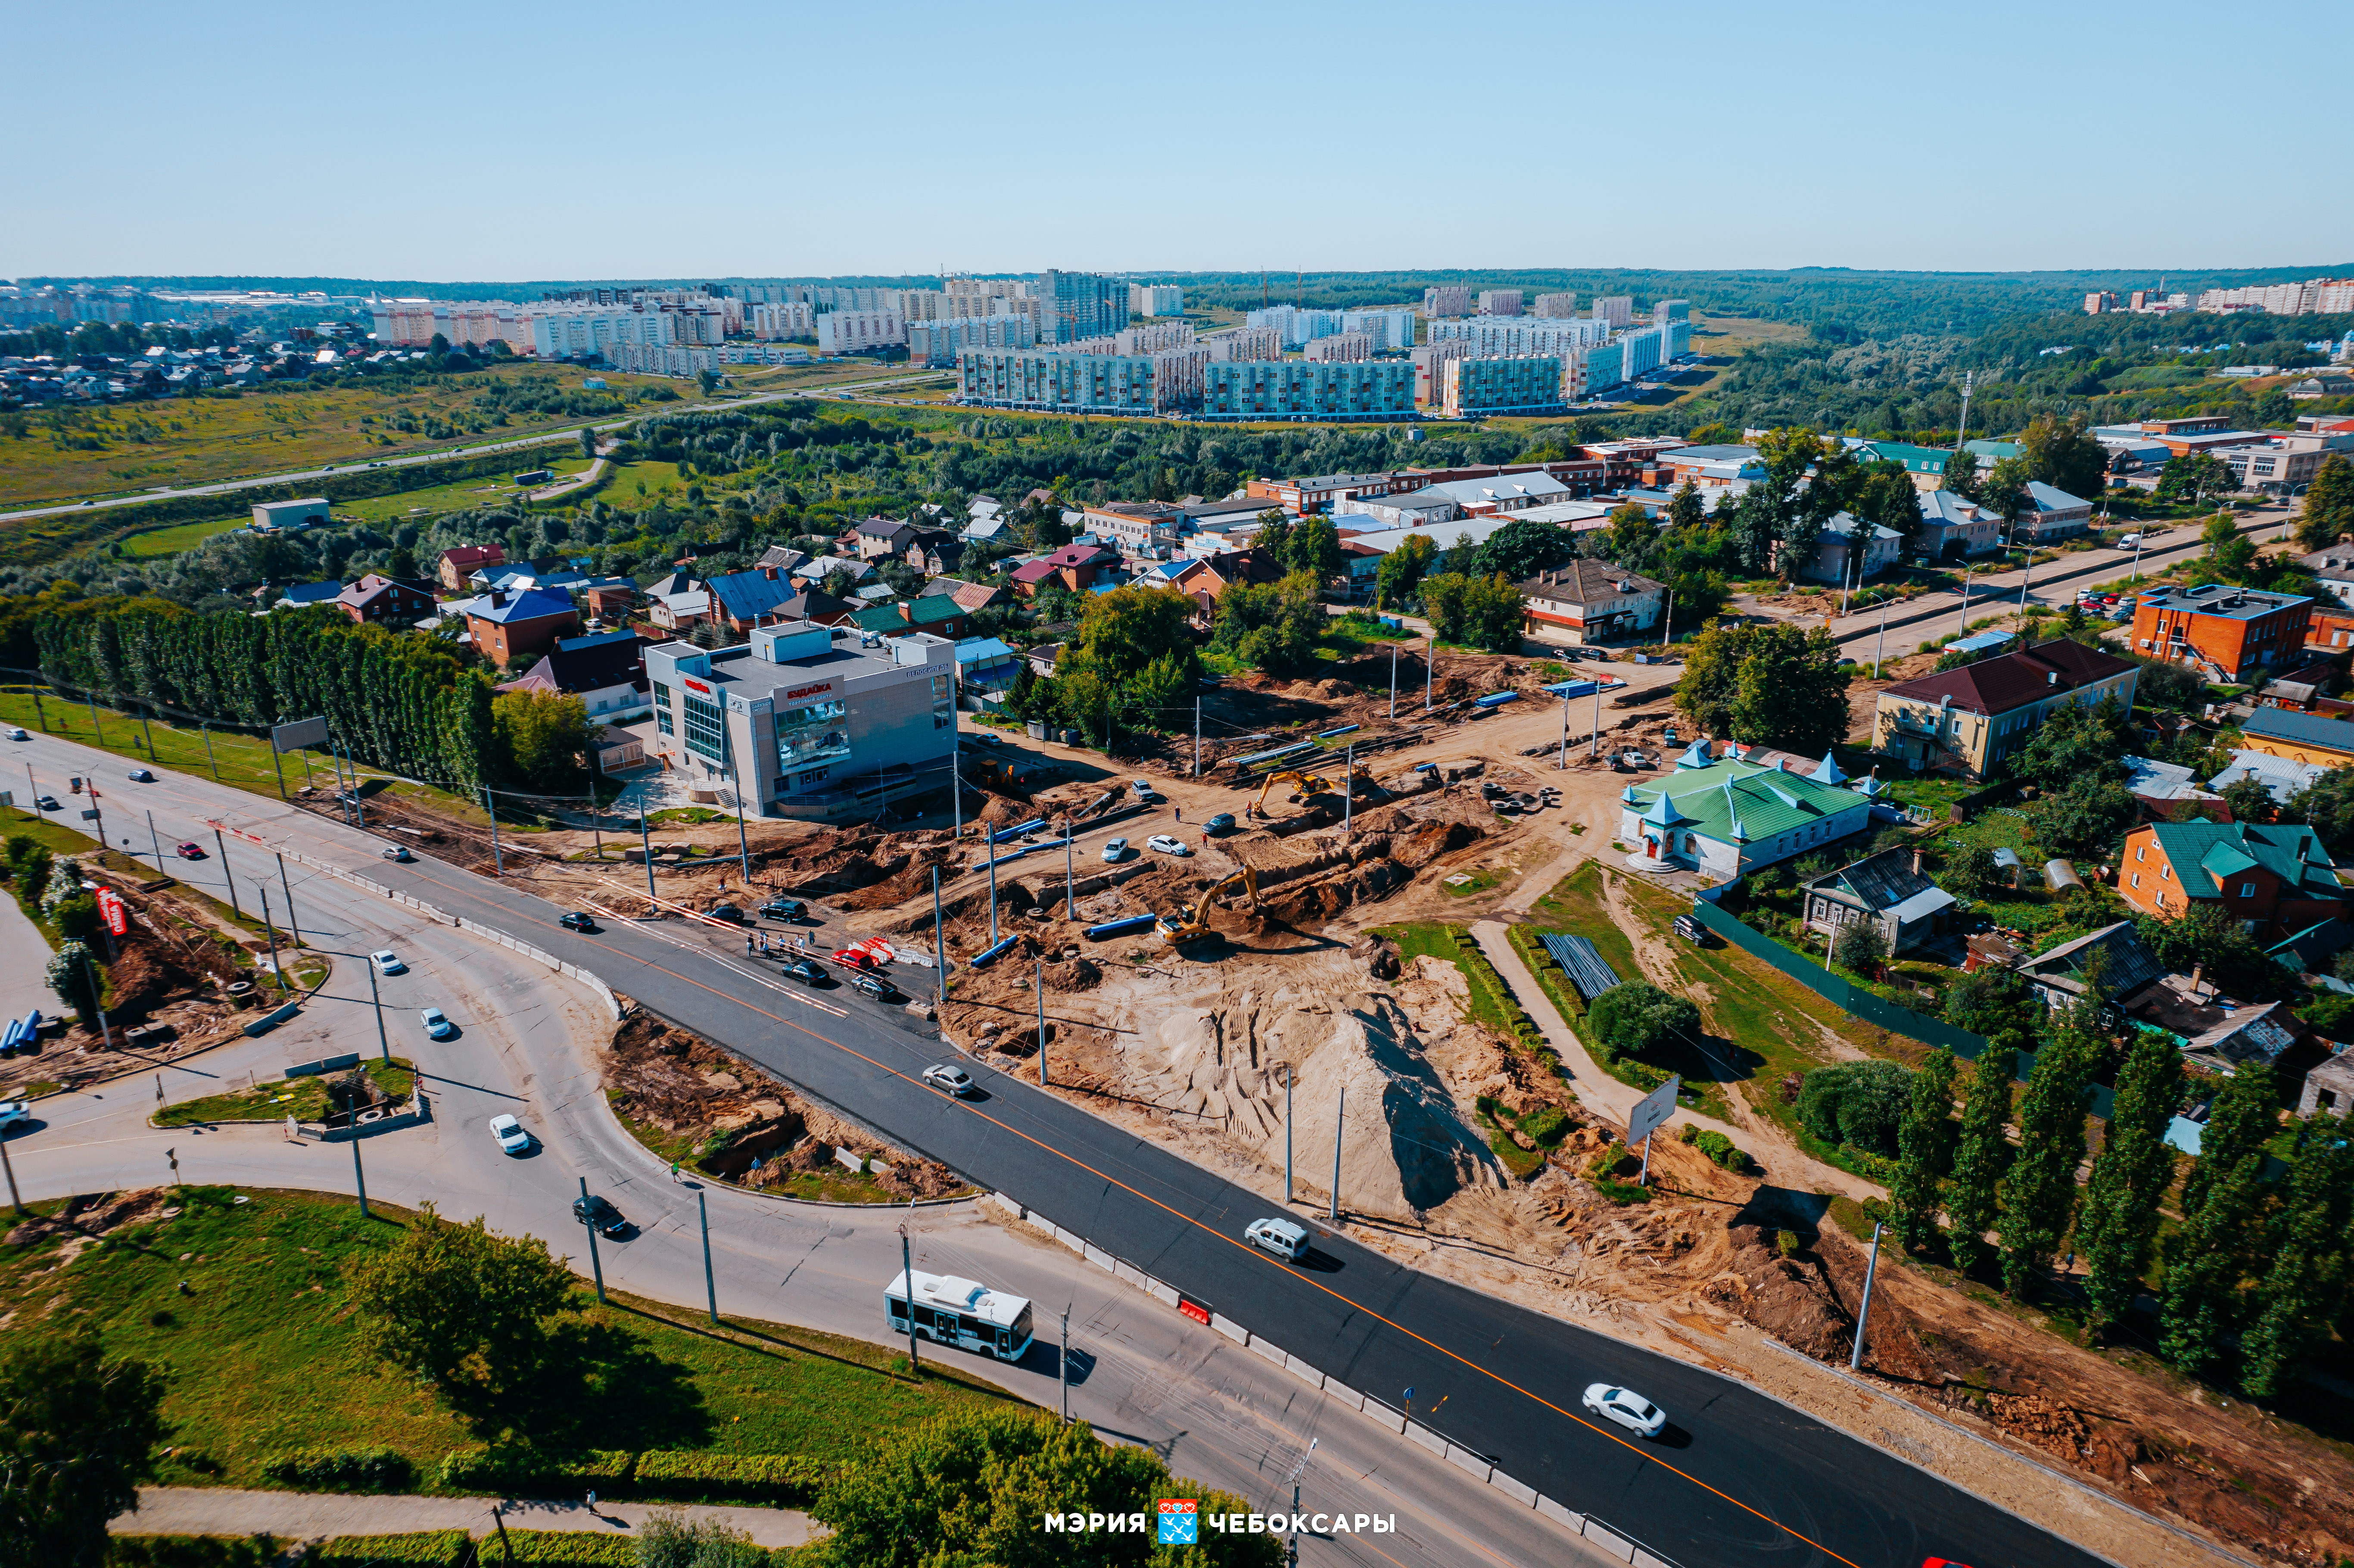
(1626, 1408)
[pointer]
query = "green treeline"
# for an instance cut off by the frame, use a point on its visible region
(409, 705)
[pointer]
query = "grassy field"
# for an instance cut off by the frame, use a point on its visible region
(261, 1354)
(182, 536)
(465, 493)
(305, 1099)
(196, 440)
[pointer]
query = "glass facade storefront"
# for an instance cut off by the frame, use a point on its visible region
(812, 735)
(943, 702)
(707, 727)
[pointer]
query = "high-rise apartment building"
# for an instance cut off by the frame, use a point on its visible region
(1618, 311)
(1495, 337)
(2323, 296)
(796, 319)
(1523, 385)
(1391, 328)
(940, 342)
(1447, 302)
(1666, 311)
(1074, 305)
(1153, 339)
(1155, 299)
(848, 332)
(1499, 301)
(1341, 345)
(1040, 378)
(1430, 362)
(1297, 325)
(1246, 343)
(1556, 307)
(1293, 389)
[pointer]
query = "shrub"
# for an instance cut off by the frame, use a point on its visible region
(1545, 1125)
(776, 1480)
(194, 1551)
(669, 1540)
(426, 1549)
(515, 1470)
(342, 1470)
(1637, 1018)
(1786, 1242)
(565, 1549)
(1605, 1164)
(1720, 1149)
(76, 918)
(1856, 1103)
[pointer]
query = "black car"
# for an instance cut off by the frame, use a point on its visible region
(595, 1210)
(785, 909)
(48, 802)
(576, 921)
(874, 986)
(805, 971)
(727, 912)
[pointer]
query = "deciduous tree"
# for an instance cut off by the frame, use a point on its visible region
(1923, 1145)
(459, 1306)
(2222, 1197)
(1982, 1154)
(77, 1434)
(2118, 1227)
(2305, 1253)
(2328, 514)
(1792, 693)
(1402, 570)
(2039, 1196)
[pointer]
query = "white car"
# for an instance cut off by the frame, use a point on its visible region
(15, 734)
(510, 1135)
(1287, 1239)
(955, 1080)
(1115, 850)
(1626, 1408)
(13, 1111)
(141, 776)
(397, 851)
(437, 1023)
(387, 962)
(1162, 843)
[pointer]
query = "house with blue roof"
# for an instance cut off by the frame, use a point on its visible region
(303, 594)
(746, 600)
(2046, 514)
(1725, 817)
(986, 665)
(507, 627)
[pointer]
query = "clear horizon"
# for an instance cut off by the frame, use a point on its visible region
(260, 140)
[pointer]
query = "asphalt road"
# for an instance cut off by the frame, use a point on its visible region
(1140, 1373)
(1738, 1479)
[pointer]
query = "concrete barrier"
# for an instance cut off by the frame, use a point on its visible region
(1558, 1514)
(1007, 1205)
(1524, 1496)
(415, 1116)
(324, 1064)
(1164, 1294)
(1229, 1328)
(1306, 1373)
(1383, 1414)
(1475, 1465)
(1610, 1542)
(1416, 1433)
(1129, 1273)
(1644, 1559)
(1266, 1351)
(1072, 1239)
(1099, 1257)
(1344, 1394)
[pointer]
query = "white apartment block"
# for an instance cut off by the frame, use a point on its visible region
(1297, 325)
(1392, 329)
(793, 319)
(1154, 338)
(1244, 344)
(1430, 363)
(683, 361)
(1501, 302)
(939, 343)
(1517, 337)
(1342, 345)
(935, 305)
(1155, 299)
(763, 354)
(847, 331)
(1448, 301)
(1556, 307)
(413, 323)
(1666, 311)
(1616, 310)
(580, 332)
(2315, 296)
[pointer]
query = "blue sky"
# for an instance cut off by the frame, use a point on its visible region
(529, 141)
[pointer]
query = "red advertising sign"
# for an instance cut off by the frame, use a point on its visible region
(694, 685)
(1194, 1309)
(799, 691)
(110, 907)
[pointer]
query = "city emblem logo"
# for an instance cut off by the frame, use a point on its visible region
(1180, 1522)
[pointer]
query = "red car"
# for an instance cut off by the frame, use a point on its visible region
(1942, 1562)
(852, 958)
(190, 850)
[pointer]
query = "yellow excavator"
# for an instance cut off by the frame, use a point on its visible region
(1192, 925)
(1305, 785)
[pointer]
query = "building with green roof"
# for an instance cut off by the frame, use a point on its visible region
(2275, 878)
(1723, 817)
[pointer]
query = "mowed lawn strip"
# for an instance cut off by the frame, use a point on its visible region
(261, 1355)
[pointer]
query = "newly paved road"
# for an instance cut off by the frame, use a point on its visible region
(1216, 1411)
(1739, 1480)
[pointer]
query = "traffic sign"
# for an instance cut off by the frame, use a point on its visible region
(1652, 1110)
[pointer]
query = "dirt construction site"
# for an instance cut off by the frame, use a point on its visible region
(1298, 995)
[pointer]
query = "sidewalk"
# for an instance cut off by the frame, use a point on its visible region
(312, 1516)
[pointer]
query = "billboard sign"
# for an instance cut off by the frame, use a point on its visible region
(1651, 1110)
(298, 733)
(110, 907)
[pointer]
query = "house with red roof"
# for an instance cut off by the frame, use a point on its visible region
(1966, 721)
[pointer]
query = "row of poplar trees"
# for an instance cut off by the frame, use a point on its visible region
(2264, 1249)
(409, 705)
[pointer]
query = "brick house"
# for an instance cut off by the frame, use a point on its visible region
(507, 627)
(2275, 878)
(384, 601)
(2227, 632)
(1077, 567)
(464, 561)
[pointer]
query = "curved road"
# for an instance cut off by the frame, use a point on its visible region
(1740, 1478)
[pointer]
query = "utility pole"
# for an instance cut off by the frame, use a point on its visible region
(1291, 1538)
(498, 862)
(1864, 1312)
(376, 999)
(940, 954)
(215, 767)
(1429, 663)
(292, 923)
(710, 1289)
(1040, 981)
(2027, 575)
(1961, 433)
(1063, 1365)
(1340, 1118)
(1564, 763)
(1286, 1134)
(272, 930)
(359, 1175)
(277, 761)
(2136, 566)
(1197, 735)
(7, 1165)
(1349, 792)
(646, 847)
(1597, 720)
(96, 733)
(34, 784)
(989, 850)
(907, 1284)
(588, 1218)
(1070, 885)
(1394, 651)
(1962, 626)
(1668, 621)
(228, 881)
(956, 805)
(155, 843)
(1881, 646)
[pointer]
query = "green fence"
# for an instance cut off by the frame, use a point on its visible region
(1858, 1002)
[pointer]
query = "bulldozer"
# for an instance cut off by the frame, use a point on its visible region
(1192, 924)
(1307, 785)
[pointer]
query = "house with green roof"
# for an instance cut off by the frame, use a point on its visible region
(937, 614)
(1723, 816)
(2275, 878)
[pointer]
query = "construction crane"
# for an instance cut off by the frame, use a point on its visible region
(1192, 924)
(1306, 784)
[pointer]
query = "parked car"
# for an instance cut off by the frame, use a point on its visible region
(1115, 850)
(188, 849)
(1691, 930)
(1626, 1408)
(1219, 825)
(574, 920)
(875, 987)
(1162, 843)
(855, 958)
(727, 913)
(2129, 541)
(510, 1135)
(955, 1080)
(1143, 787)
(397, 852)
(806, 970)
(387, 962)
(1287, 1239)
(437, 1023)
(141, 775)
(785, 909)
(592, 1210)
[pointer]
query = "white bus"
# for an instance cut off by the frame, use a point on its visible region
(959, 1312)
